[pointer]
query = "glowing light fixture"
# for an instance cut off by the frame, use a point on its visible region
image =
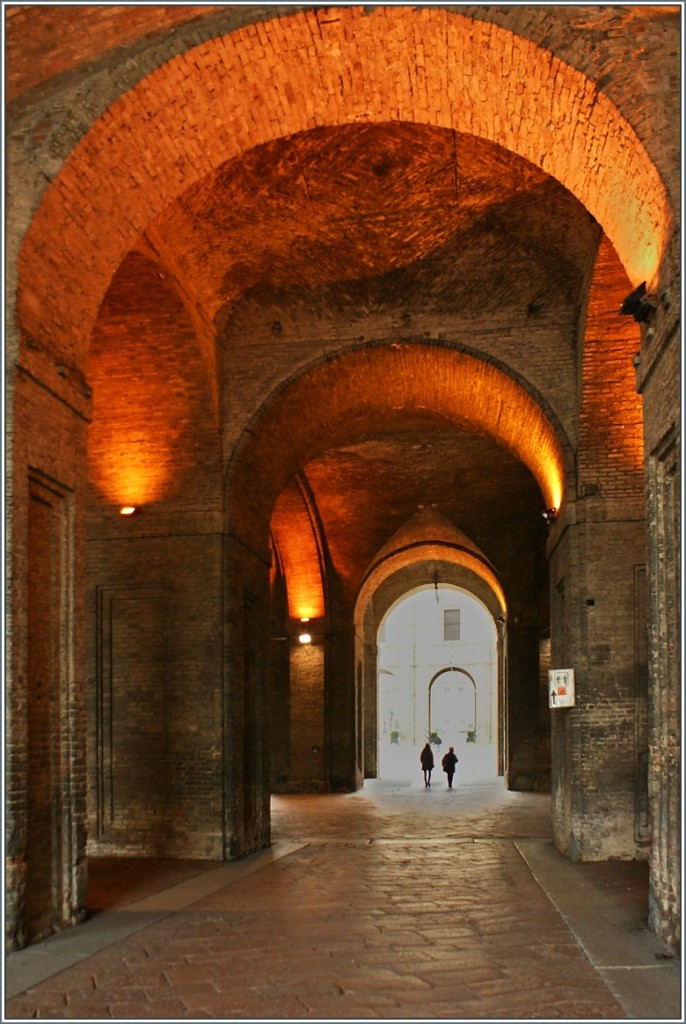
(127, 510)
(549, 515)
(305, 638)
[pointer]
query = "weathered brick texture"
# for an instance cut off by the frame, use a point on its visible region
(331, 295)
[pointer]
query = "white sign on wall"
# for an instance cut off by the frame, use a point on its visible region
(561, 688)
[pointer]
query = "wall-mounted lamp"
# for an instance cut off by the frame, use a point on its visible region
(305, 637)
(549, 514)
(638, 305)
(128, 510)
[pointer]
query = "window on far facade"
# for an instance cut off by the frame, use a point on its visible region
(451, 623)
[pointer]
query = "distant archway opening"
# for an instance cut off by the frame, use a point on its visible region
(437, 668)
(453, 709)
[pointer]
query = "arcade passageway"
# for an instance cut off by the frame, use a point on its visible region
(394, 902)
(314, 311)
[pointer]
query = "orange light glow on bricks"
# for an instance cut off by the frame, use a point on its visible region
(611, 414)
(394, 385)
(518, 96)
(127, 476)
(151, 405)
(293, 533)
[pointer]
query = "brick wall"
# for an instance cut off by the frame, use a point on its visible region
(660, 379)
(246, 617)
(279, 685)
(178, 618)
(156, 741)
(45, 750)
(597, 754)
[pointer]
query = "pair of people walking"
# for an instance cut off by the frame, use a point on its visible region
(448, 762)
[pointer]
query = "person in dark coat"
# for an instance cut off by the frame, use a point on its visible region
(448, 765)
(427, 762)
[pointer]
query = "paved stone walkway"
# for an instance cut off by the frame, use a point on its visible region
(394, 903)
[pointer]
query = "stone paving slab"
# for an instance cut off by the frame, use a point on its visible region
(27, 967)
(632, 961)
(418, 923)
(287, 903)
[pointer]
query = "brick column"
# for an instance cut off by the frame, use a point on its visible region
(309, 753)
(522, 688)
(659, 382)
(598, 752)
(246, 728)
(368, 660)
(342, 712)
(45, 686)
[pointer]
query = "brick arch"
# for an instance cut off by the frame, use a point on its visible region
(295, 533)
(152, 438)
(325, 66)
(610, 408)
(476, 575)
(380, 389)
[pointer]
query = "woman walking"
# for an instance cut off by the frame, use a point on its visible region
(448, 765)
(426, 759)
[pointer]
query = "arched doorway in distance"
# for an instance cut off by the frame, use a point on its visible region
(437, 670)
(462, 717)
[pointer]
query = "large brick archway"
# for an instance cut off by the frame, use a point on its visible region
(427, 548)
(340, 399)
(426, 65)
(544, 396)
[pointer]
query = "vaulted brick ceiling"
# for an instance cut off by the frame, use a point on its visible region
(394, 223)
(365, 492)
(349, 234)
(396, 215)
